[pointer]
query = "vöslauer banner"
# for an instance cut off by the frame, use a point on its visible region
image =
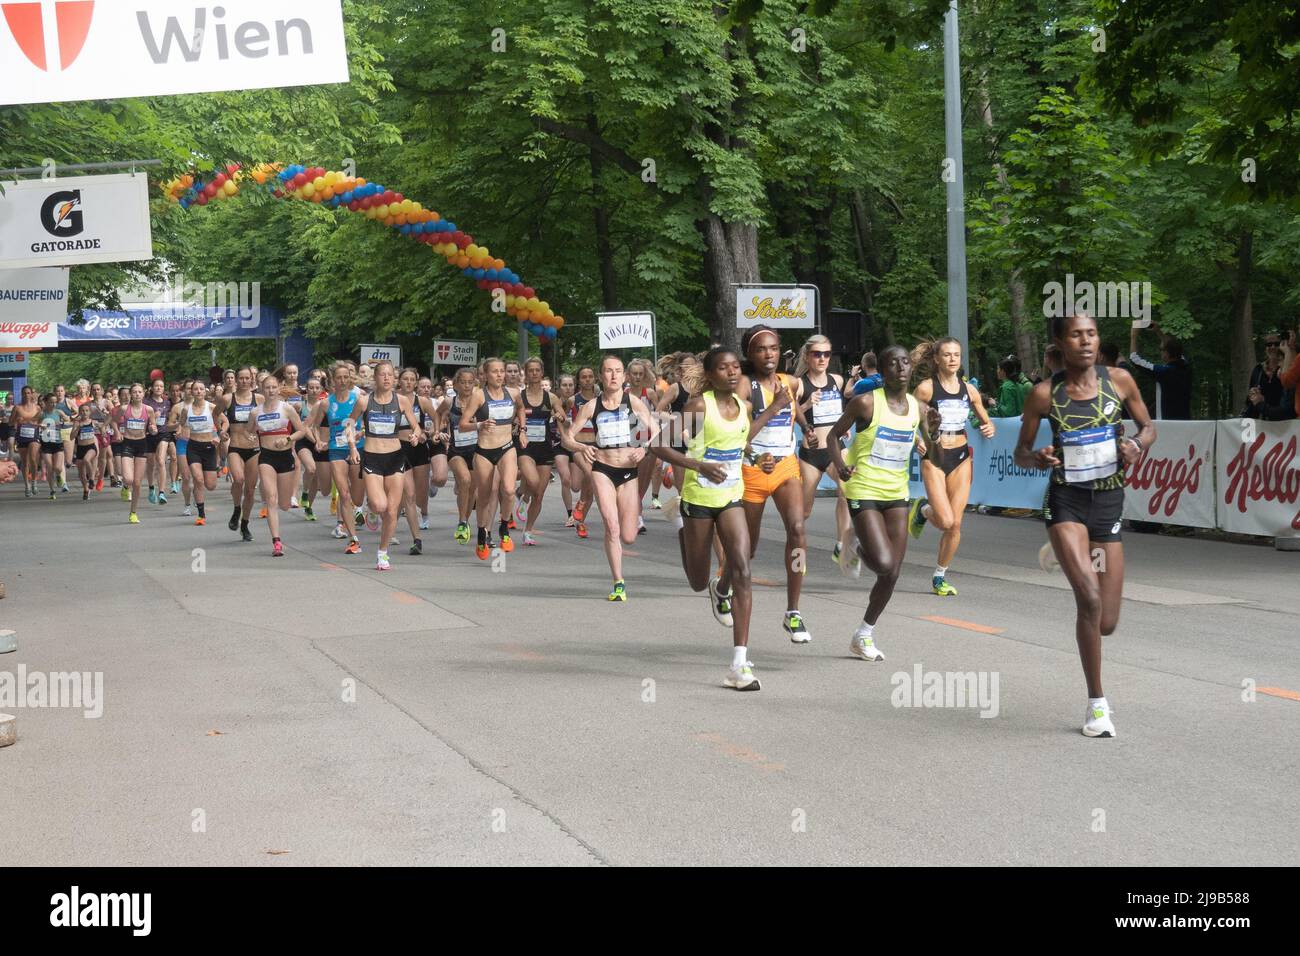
(100, 49)
(78, 219)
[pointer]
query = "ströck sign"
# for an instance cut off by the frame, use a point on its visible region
(75, 220)
(780, 307)
(100, 49)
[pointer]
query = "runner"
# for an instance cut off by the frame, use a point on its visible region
(674, 367)
(822, 405)
(278, 429)
(204, 424)
(240, 408)
(1084, 405)
(948, 479)
(158, 442)
(99, 409)
(542, 411)
(875, 481)
(68, 406)
(437, 448)
(772, 468)
(641, 382)
(178, 421)
(464, 443)
(415, 481)
(87, 432)
(384, 459)
(117, 438)
(710, 499)
(25, 420)
(53, 423)
(495, 458)
(329, 420)
(134, 423)
(563, 465)
(586, 435)
(314, 462)
(616, 415)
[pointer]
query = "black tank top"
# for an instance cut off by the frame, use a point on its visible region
(382, 420)
(1086, 434)
(608, 423)
(954, 407)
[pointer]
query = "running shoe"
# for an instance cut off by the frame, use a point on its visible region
(359, 518)
(640, 525)
(850, 567)
(394, 539)
(795, 627)
(672, 508)
(861, 645)
(85, 494)
(582, 529)
(126, 493)
(462, 533)
(354, 547)
(721, 604)
(483, 550)
(835, 552)
(133, 518)
(153, 496)
(65, 490)
(372, 521)
(619, 593)
(1097, 722)
(417, 546)
(521, 512)
(233, 523)
(529, 540)
(942, 587)
(200, 520)
(424, 522)
(277, 549)
(507, 545)
(668, 474)
(262, 513)
(162, 498)
(27, 492)
(338, 532)
(742, 678)
(308, 513)
(1047, 558)
(245, 534)
(176, 487)
(188, 512)
(916, 520)
(53, 496)
(569, 522)
(293, 503)
(302, 499)
(99, 485)
(511, 523)
(654, 503)
(382, 563)
(578, 513)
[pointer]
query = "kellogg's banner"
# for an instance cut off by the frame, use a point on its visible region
(1258, 476)
(1173, 480)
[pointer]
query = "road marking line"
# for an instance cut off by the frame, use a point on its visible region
(1279, 692)
(330, 567)
(739, 752)
(401, 597)
(521, 653)
(767, 582)
(964, 625)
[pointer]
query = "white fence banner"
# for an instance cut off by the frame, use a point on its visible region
(1173, 480)
(1257, 476)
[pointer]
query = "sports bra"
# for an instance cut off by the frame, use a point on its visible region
(381, 419)
(954, 407)
(201, 423)
(614, 427)
(501, 410)
(239, 413)
(273, 423)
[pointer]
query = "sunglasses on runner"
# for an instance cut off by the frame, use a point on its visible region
(819, 354)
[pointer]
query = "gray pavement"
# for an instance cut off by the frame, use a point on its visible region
(308, 710)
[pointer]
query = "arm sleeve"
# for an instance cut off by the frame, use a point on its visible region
(873, 382)
(1140, 362)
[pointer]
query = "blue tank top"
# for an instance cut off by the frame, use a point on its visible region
(339, 413)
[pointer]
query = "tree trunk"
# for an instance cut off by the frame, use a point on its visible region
(1026, 343)
(1242, 342)
(823, 255)
(730, 256)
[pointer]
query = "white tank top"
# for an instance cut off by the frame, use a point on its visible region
(199, 423)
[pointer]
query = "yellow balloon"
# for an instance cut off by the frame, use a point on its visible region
(319, 182)
(381, 212)
(229, 188)
(534, 302)
(309, 189)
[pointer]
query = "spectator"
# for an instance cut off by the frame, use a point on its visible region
(1053, 362)
(1267, 397)
(1013, 388)
(1291, 370)
(1173, 376)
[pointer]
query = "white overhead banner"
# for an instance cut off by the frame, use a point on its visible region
(1258, 476)
(626, 330)
(74, 220)
(781, 307)
(450, 352)
(33, 295)
(1173, 480)
(101, 49)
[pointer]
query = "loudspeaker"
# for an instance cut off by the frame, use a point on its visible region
(847, 330)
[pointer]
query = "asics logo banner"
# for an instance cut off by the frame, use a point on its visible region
(106, 322)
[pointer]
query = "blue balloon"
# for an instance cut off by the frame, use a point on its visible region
(404, 230)
(467, 271)
(478, 273)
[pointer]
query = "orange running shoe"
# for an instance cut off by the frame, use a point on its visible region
(506, 544)
(582, 530)
(482, 551)
(578, 514)
(262, 513)
(354, 547)
(200, 520)
(511, 524)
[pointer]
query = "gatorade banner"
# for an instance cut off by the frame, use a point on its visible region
(73, 220)
(1173, 480)
(1257, 476)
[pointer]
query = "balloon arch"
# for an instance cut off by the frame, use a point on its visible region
(337, 190)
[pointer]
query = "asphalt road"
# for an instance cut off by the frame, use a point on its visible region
(309, 710)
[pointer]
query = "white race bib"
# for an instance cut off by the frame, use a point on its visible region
(953, 413)
(536, 430)
(465, 439)
(379, 424)
(341, 440)
(729, 460)
(1089, 454)
(891, 449)
(613, 430)
(241, 414)
(26, 431)
(776, 438)
(827, 411)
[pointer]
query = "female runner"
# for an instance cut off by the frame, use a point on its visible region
(497, 411)
(239, 407)
(329, 421)
(86, 434)
(642, 383)
(823, 403)
(25, 420)
(278, 429)
(134, 423)
(563, 462)
(541, 410)
(204, 424)
(463, 445)
(584, 435)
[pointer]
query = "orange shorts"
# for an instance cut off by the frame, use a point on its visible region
(759, 486)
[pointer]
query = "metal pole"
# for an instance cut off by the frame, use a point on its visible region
(523, 344)
(81, 167)
(957, 327)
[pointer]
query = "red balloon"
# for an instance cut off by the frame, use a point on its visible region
(203, 199)
(528, 292)
(220, 179)
(210, 190)
(300, 179)
(354, 205)
(398, 197)
(278, 193)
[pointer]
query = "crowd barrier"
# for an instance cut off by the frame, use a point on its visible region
(1238, 475)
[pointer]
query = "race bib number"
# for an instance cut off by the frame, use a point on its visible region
(87, 431)
(380, 424)
(827, 411)
(953, 413)
(536, 429)
(501, 411)
(891, 449)
(341, 440)
(729, 460)
(1089, 454)
(241, 414)
(200, 423)
(136, 424)
(26, 431)
(268, 422)
(776, 438)
(465, 439)
(613, 430)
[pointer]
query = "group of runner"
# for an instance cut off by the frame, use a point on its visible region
(726, 429)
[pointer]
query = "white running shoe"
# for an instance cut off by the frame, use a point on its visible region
(529, 539)
(1097, 722)
(1047, 558)
(850, 556)
(381, 563)
(720, 604)
(424, 522)
(672, 508)
(521, 512)
(742, 678)
(338, 532)
(864, 647)
(188, 512)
